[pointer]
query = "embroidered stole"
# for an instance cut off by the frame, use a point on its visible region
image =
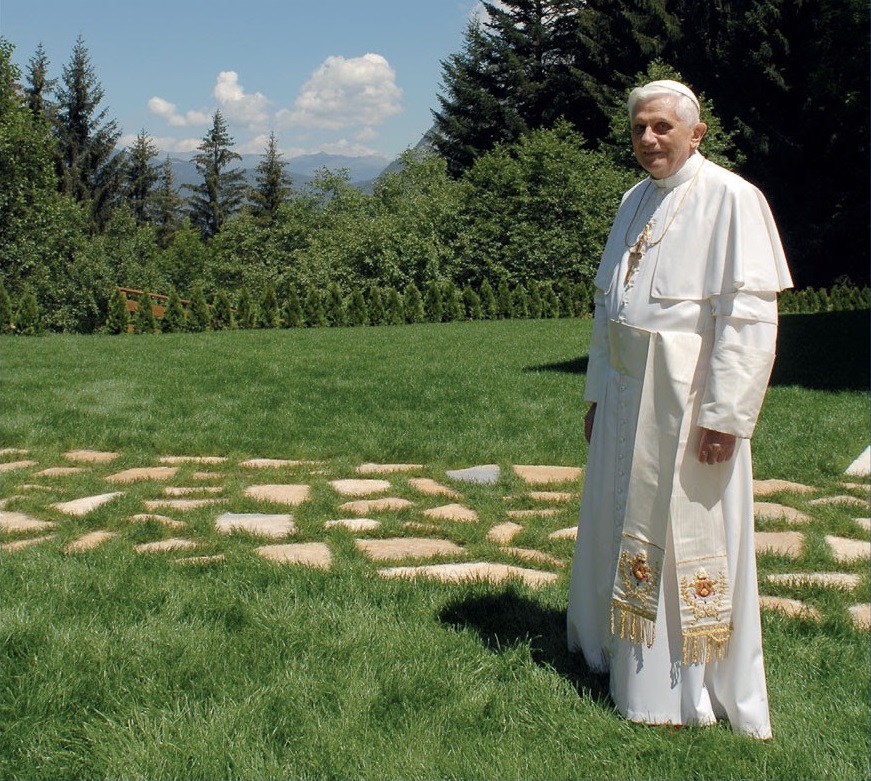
(672, 499)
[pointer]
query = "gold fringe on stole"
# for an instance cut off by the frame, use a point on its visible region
(633, 627)
(706, 644)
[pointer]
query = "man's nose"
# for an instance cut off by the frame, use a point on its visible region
(648, 136)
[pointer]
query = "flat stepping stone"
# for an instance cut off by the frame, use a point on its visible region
(11, 466)
(360, 487)
(854, 501)
(19, 544)
(865, 523)
(452, 512)
(845, 549)
(530, 554)
(366, 506)
(487, 474)
(180, 504)
(91, 456)
(206, 475)
(163, 546)
(22, 522)
(422, 528)
(541, 512)
(290, 493)
(60, 471)
(430, 487)
(569, 533)
(768, 487)
(861, 467)
(192, 460)
(89, 541)
(861, 616)
(542, 475)
(202, 560)
(13, 451)
(263, 524)
(552, 496)
(503, 533)
(276, 463)
(182, 490)
(354, 524)
(788, 544)
(471, 571)
(86, 504)
(407, 547)
(843, 580)
(375, 469)
(310, 554)
(143, 473)
(794, 608)
(145, 517)
(771, 511)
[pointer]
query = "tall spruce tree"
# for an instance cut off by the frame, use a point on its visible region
(221, 193)
(273, 183)
(166, 204)
(140, 177)
(39, 85)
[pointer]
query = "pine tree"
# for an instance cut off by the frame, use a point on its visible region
(222, 311)
(118, 316)
(267, 316)
(174, 318)
(293, 314)
(356, 312)
(273, 183)
(246, 316)
(144, 320)
(5, 310)
(28, 320)
(412, 304)
(140, 177)
(221, 193)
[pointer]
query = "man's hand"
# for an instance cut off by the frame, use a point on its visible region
(715, 446)
(588, 422)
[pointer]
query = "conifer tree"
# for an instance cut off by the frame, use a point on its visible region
(273, 183)
(293, 314)
(334, 308)
(433, 305)
(39, 85)
(144, 320)
(519, 302)
(375, 306)
(394, 308)
(246, 317)
(488, 300)
(199, 313)
(222, 311)
(534, 296)
(314, 308)
(472, 303)
(550, 305)
(5, 310)
(452, 303)
(28, 321)
(503, 300)
(174, 318)
(267, 314)
(118, 316)
(413, 304)
(356, 312)
(166, 204)
(140, 177)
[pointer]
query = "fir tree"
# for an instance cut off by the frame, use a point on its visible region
(293, 314)
(246, 317)
(488, 300)
(268, 310)
(140, 177)
(166, 204)
(519, 302)
(413, 304)
(174, 319)
(222, 311)
(472, 303)
(452, 303)
(550, 306)
(273, 186)
(144, 320)
(28, 320)
(433, 306)
(334, 308)
(199, 314)
(375, 306)
(503, 300)
(356, 313)
(534, 291)
(39, 85)
(394, 308)
(314, 309)
(118, 316)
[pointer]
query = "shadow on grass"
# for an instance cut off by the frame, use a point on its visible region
(508, 619)
(575, 366)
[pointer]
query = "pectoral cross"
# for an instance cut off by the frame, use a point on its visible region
(636, 252)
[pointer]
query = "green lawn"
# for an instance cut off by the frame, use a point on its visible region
(120, 665)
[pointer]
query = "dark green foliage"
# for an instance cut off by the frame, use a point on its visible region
(6, 321)
(394, 307)
(488, 300)
(519, 302)
(246, 314)
(413, 305)
(293, 315)
(28, 321)
(503, 300)
(433, 305)
(452, 303)
(267, 312)
(199, 313)
(334, 307)
(118, 316)
(144, 321)
(273, 186)
(314, 308)
(139, 177)
(550, 304)
(222, 311)
(471, 303)
(174, 317)
(375, 306)
(534, 299)
(356, 313)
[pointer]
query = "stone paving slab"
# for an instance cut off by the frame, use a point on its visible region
(291, 494)
(86, 504)
(60, 471)
(311, 554)
(351, 487)
(22, 522)
(180, 504)
(768, 487)
(861, 615)
(354, 524)
(143, 473)
(375, 469)
(13, 451)
(91, 456)
(201, 560)
(844, 580)
(262, 524)
(793, 608)
(12, 466)
(164, 546)
(865, 523)
(543, 474)
(552, 496)
(191, 490)
(788, 544)
(542, 512)
(407, 547)
(771, 511)
(16, 545)
(277, 463)
(89, 541)
(853, 501)
(192, 460)
(452, 512)
(206, 475)
(145, 517)
(366, 506)
(485, 474)
(503, 533)
(531, 554)
(471, 571)
(569, 533)
(845, 549)
(430, 487)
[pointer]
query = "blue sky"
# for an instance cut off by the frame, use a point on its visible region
(350, 77)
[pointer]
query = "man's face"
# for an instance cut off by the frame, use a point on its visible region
(661, 140)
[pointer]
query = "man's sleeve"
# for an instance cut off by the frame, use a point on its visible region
(741, 362)
(594, 390)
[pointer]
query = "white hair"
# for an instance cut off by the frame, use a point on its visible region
(686, 104)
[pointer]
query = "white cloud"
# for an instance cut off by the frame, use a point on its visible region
(235, 105)
(168, 112)
(346, 92)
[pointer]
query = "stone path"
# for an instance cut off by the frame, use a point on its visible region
(406, 520)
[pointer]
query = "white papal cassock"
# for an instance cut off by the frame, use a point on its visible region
(706, 290)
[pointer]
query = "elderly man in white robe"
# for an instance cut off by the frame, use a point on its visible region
(663, 592)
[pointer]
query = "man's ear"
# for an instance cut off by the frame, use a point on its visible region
(699, 131)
